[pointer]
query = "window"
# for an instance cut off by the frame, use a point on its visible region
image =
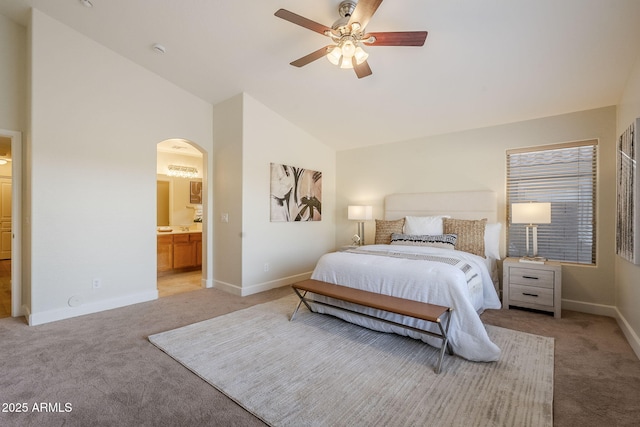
(565, 176)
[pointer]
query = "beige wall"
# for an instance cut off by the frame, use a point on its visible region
(475, 160)
(627, 274)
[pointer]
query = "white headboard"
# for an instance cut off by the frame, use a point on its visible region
(458, 204)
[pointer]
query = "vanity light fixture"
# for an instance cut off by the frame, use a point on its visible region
(182, 171)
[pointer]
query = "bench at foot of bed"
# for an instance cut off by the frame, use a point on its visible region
(416, 309)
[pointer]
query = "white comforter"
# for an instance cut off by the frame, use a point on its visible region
(422, 280)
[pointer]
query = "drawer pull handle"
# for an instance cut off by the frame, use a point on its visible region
(530, 277)
(530, 295)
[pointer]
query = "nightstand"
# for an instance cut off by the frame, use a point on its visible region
(530, 285)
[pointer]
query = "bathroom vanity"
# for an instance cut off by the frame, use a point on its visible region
(179, 250)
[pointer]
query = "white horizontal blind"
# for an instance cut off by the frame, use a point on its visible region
(565, 176)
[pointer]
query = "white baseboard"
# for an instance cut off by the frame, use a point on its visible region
(609, 311)
(629, 333)
(91, 307)
(206, 283)
(25, 312)
(260, 287)
(228, 287)
(587, 307)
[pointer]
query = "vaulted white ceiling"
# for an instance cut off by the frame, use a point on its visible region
(485, 62)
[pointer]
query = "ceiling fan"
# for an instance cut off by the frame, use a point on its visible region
(348, 33)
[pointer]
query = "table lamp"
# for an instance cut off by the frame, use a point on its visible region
(532, 214)
(360, 214)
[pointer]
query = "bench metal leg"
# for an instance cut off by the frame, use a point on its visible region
(445, 341)
(302, 300)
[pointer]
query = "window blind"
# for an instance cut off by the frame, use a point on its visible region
(564, 175)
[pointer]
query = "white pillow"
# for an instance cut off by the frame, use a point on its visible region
(424, 225)
(492, 240)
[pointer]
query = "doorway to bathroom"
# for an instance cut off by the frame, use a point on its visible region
(10, 229)
(180, 216)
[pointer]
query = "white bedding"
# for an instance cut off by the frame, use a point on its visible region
(418, 279)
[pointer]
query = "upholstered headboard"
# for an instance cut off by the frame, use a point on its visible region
(458, 204)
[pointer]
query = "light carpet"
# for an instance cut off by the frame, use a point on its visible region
(321, 371)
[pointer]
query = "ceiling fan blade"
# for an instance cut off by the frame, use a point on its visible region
(311, 57)
(302, 21)
(364, 11)
(362, 70)
(399, 38)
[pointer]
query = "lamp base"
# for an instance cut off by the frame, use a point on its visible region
(533, 260)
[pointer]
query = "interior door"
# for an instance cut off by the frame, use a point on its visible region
(5, 218)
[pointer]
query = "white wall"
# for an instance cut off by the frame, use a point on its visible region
(475, 160)
(248, 138)
(13, 76)
(96, 119)
(628, 274)
(290, 248)
(227, 184)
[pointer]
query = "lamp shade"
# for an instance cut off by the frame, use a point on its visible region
(531, 213)
(360, 213)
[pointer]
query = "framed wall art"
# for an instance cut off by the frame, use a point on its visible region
(627, 195)
(296, 194)
(195, 192)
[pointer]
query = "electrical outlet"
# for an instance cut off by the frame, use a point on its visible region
(266, 266)
(96, 283)
(224, 217)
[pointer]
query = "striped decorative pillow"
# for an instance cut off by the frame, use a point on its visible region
(445, 241)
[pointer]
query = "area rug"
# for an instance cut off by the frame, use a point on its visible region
(321, 371)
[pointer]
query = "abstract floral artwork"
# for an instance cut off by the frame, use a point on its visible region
(296, 194)
(627, 194)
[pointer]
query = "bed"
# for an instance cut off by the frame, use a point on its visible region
(411, 260)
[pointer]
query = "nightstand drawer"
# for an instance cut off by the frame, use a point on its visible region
(531, 277)
(531, 294)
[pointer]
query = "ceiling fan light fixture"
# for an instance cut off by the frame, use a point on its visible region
(348, 49)
(343, 54)
(346, 63)
(360, 55)
(348, 33)
(334, 55)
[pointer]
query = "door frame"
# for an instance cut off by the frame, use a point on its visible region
(16, 220)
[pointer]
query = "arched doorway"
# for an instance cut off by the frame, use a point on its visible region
(181, 205)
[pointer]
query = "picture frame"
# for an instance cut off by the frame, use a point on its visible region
(195, 192)
(296, 194)
(628, 195)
